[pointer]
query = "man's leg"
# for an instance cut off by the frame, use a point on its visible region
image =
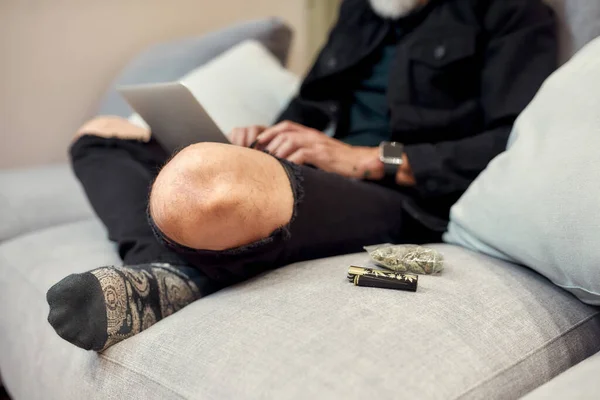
(235, 212)
(99, 308)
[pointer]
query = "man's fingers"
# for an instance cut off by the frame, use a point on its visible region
(288, 142)
(245, 136)
(275, 144)
(252, 133)
(288, 147)
(236, 136)
(301, 157)
(269, 134)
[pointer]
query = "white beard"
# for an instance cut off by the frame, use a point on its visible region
(393, 9)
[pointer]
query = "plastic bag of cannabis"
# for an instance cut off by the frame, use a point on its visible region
(407, 258)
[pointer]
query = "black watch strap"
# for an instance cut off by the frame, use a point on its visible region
(390, 169)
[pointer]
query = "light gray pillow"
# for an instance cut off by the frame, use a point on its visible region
(538, 203)
(170, 61)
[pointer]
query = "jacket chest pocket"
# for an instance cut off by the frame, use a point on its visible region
(443, 70)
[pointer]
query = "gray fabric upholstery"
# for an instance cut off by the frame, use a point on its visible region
(483, 329)
(583, 18)
(37, 198)
(578, 383)
(170, 61)
(579, 23)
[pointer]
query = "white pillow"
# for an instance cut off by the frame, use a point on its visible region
(244, 86)
(538, 203)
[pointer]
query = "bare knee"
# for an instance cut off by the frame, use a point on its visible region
(109, 126)
(215, 197)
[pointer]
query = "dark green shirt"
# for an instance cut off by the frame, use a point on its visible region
(368, 111)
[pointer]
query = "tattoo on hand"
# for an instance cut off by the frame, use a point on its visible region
(366, 174)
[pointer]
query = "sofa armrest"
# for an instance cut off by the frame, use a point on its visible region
(37, 198)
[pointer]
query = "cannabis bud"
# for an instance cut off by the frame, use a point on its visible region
(407, 258)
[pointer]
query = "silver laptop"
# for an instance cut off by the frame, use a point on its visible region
(175, 117)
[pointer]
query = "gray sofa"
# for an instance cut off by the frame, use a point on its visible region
(484, 329)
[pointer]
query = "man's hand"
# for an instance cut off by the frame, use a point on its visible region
(302, 145)
(245, 136)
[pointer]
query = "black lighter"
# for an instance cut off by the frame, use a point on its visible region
(382, 279)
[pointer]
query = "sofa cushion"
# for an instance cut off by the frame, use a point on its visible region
(36, 198)
(169, 61)
(483, 329)
(580, 382)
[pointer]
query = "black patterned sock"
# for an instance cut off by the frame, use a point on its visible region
(99, 308)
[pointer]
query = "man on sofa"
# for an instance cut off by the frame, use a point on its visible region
(421, 96)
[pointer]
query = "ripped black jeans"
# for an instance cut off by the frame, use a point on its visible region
(332, 214)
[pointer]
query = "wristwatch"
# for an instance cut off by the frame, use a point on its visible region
(390, 154)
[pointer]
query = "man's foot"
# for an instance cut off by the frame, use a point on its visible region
(109, 126)
(99, 308)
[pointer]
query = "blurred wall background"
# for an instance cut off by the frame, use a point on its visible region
(57, 56)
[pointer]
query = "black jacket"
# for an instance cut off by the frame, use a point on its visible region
(463, 71)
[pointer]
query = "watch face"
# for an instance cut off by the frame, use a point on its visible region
(392, 152)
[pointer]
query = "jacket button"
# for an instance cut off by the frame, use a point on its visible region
(439, 52)
(331, 62)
